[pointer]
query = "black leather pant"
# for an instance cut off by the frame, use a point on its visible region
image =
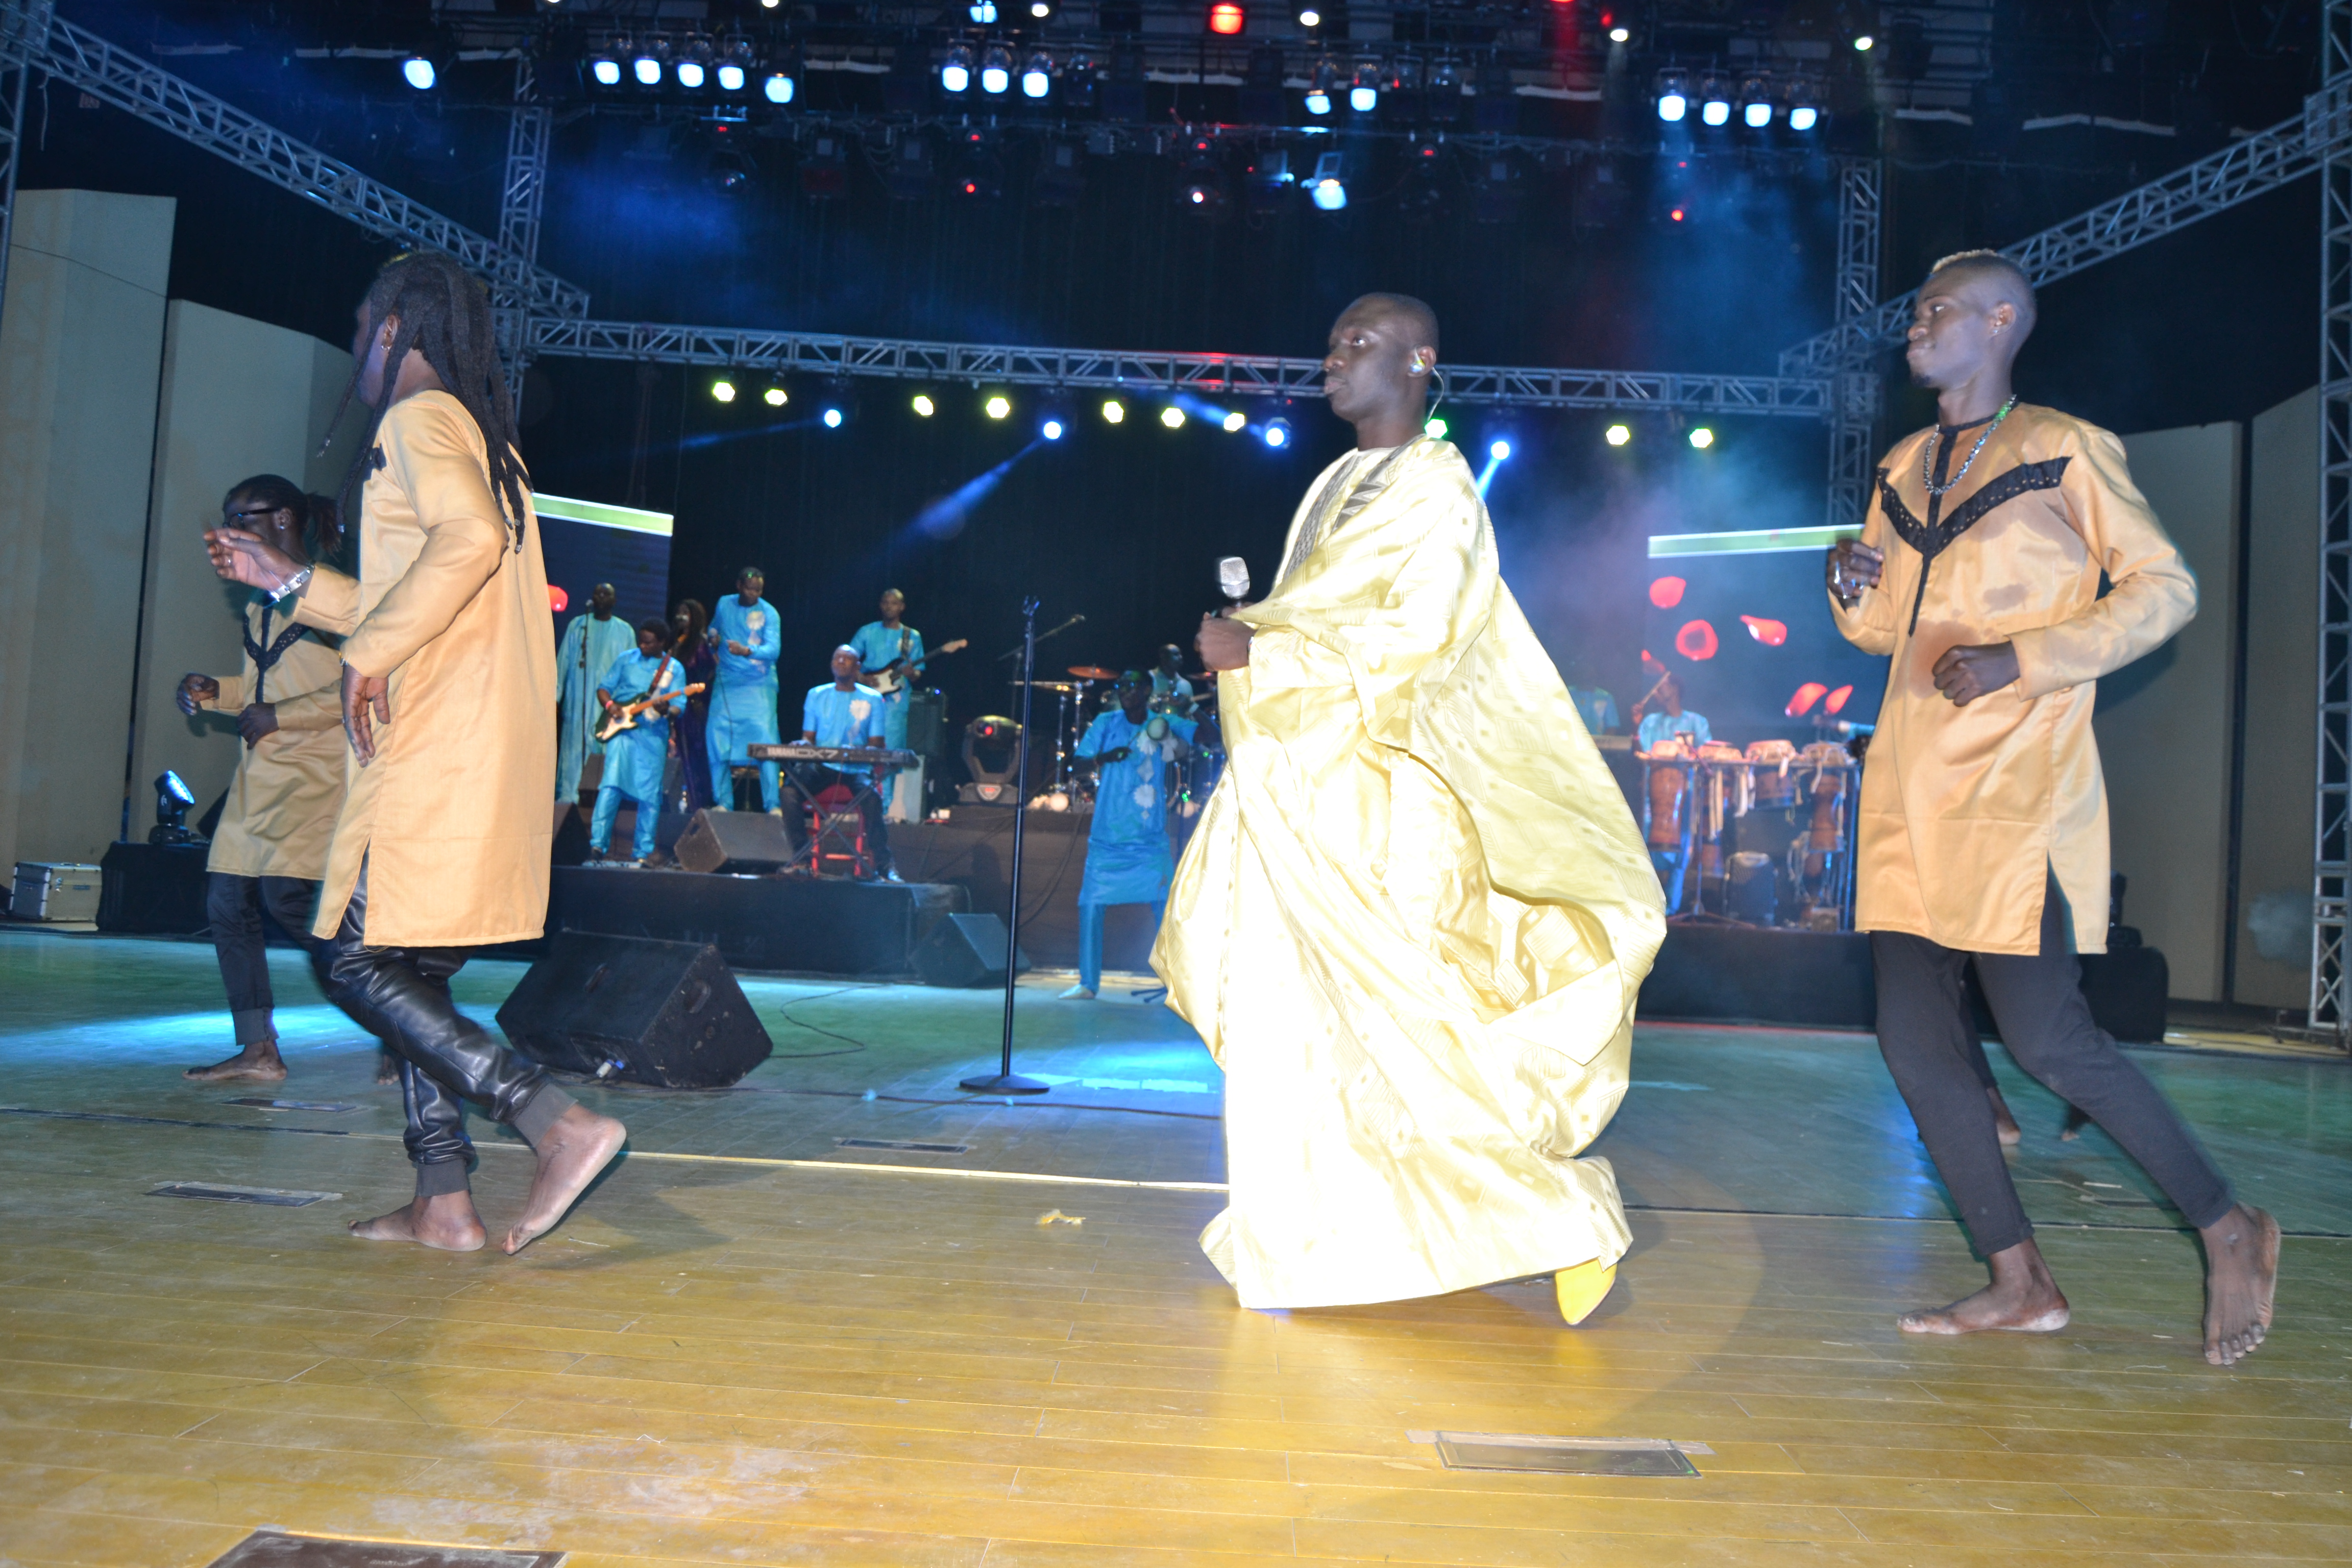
(403, 994)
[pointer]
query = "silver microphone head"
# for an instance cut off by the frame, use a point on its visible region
(1233, 577)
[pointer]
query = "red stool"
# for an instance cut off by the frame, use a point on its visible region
(838, 830)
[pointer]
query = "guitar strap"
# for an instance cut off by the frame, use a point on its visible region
(265, 658)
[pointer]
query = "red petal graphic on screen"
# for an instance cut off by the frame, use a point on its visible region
(1837, 700)
(1807, 695)
(1772, 634)
(1695, 640)
(1667, 592)
(557, 598)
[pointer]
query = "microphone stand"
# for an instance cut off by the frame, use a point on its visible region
(1006, 1081)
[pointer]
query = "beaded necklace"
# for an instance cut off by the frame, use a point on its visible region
(1927, 455)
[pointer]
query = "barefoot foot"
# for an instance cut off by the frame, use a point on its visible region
(1582, 1288)
(577, 1148)
(2003, 1123)
(2242, 1254)
(2023, 1300)
(257, 1063)
(447, 1222)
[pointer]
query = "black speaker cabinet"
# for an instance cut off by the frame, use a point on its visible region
(734, 841)
(667, 1014)
(965, 950)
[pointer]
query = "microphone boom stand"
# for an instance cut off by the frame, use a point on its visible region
(1006, 1081)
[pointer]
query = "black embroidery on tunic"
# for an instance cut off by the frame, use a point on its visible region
(266, 659)
(1932, 538)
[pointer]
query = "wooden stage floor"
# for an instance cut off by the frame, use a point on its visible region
(755, 1346)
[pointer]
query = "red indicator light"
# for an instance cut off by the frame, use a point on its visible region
(1677, 213)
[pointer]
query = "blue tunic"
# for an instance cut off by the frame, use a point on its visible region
(635, 759)
(876, 646)
(743, 708)
(838, 718)
(589, 646)
(1128, 855)
(1657, 727)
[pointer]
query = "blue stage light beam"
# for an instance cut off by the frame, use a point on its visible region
(945, 518)
(1498, 454)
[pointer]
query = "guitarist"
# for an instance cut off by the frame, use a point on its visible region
(634, 758)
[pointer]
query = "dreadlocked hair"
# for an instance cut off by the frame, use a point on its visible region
(444, 313)
(319, 519)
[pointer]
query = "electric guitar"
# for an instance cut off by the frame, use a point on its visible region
(625, 715)
(893, 675)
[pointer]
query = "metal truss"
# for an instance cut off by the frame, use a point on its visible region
(16, 86)
(522, 196)
(2262, 162)
(1206, 374)
(1854, 417)
(36, 37)
(2331, 1009)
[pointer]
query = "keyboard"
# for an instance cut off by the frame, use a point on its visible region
(836, 756)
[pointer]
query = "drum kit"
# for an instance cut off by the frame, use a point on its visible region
(1078, 702)
(1768, 829)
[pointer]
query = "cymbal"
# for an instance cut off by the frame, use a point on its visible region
(1048, 685)
(1093, 672)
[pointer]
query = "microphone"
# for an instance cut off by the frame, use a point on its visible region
(1234, 578)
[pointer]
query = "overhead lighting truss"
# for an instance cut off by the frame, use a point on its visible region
(1226, 375)
(37, 38)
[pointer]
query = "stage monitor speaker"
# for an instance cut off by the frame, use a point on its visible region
(734, 841)
(667, 1014)
(965, 950)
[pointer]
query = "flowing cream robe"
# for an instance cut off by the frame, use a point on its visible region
(1967, 813)
(1412, 923)
(451, 818)
(282, 802)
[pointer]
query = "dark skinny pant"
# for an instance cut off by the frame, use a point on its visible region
(233, 906)
(403, 992)
(1926, 1036)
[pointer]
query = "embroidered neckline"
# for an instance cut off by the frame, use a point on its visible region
(1932, 538)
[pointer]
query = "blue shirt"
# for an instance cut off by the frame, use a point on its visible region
(1596, 707)
(1128, 857)
(838, 718)
(634, 759)
(754, 626)
(877, 646)
(1657, 727)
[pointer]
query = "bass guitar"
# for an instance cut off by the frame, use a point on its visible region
(893, 675)
(625, 715)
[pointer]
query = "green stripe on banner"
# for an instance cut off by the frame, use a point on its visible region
(601, 515)
(1754, 542)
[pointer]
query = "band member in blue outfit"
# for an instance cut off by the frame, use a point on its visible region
(743, 708)
(883, 643)
(634, 758)
(842, 712)
(1129, 860)
(589, 643)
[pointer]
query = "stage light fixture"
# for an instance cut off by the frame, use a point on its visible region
(1863, 42)
(722, 390)
(955, 74)
(652, 54)
(1804, 99)
(1308, 16)
(996, 70)
(1701, 437)
(735, 65)
(1434, 428)
(1037, 74)
(1715, 100)
(1673, 96)
(1226, 18)
(604, 69)
(1499, 451)
(1042, 10)
(1235, 422)
(983, 12)
(1051, 430)
(1756, 103)
(998, 405)
(1804, 117)
(1620, 34)
(1172, 416)
(1319, 84)
(770, 4)
(1617, 434)
(1275, 432)
(923, 406)
(1113, 412)
(418, 72)
(832, 416)
(731, 78)
(1364, 91)
(780, 86)
(1329, 188)
(694, 64)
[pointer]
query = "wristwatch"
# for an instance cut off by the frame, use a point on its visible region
(294, 585)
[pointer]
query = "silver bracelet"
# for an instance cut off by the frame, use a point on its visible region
(294, 585)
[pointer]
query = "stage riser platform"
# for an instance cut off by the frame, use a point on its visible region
(816, 925)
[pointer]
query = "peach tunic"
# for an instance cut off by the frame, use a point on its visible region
(1965, 812)
(283, 802)
(451, 817)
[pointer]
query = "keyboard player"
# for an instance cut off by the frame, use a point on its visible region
(842, 712)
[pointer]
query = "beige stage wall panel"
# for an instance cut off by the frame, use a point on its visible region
(239, 397)
(2281, 701)
(82, 338)
(2164, 724)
